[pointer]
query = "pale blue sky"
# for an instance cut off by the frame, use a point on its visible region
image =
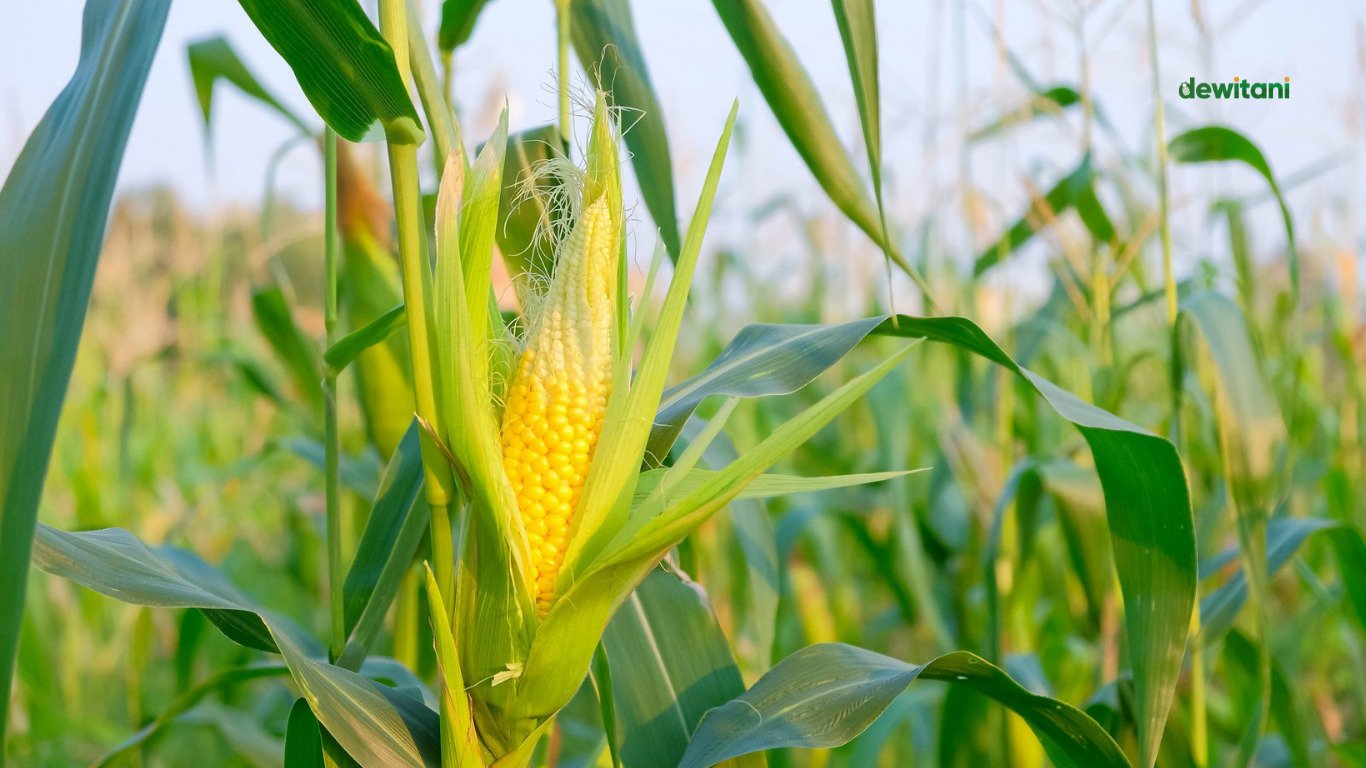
(1319, 44)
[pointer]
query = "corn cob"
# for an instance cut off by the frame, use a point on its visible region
(554, 407)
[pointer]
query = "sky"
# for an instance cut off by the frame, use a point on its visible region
(933, 88)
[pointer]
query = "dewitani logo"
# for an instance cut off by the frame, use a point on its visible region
(1238, 89)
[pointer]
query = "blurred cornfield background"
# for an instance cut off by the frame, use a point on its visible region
(1030, 206)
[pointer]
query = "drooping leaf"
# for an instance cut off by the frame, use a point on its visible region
(53, 209)
(1147, 504)
(858, 31)
(375, 724)
(213, 59)
(797, 104)
(604, 36)
(342, 63)
(826, 694)
(1217, 143)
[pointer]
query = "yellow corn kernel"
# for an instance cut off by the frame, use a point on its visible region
(554, 408)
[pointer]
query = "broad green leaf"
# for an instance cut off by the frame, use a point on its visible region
(457, 23)
(303, 738)
(604, 36)
(1147, 504)
(377, 331)
(393, 531)
(670, 663)
(375, 724)
(342, 63)
(1217, 143)
(826, 694)
(213, 59)
(53, 209)
(797, 104)
(761, 360)
(1075, 191)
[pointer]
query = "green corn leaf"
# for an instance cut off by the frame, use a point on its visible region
(457, 23)
(369, 294)
(53, 208)
(670, 663)
(1217, 143)
(293, 348)
(797, 104)
(1074, 191)
(342, 63)
(1147, 504)
(377, 331)
(761, 360)
(604, 36)
(858, 32)
(303, 738)
(375, 724)
(213, 59)
(393, 531)
(826, 694)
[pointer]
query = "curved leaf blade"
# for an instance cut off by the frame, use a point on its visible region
(53, 209)
(825, 695)
(343, 64)
(375, 724)
(1147, 504)
(604, 35)
(212, 59)
(1217, 143)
